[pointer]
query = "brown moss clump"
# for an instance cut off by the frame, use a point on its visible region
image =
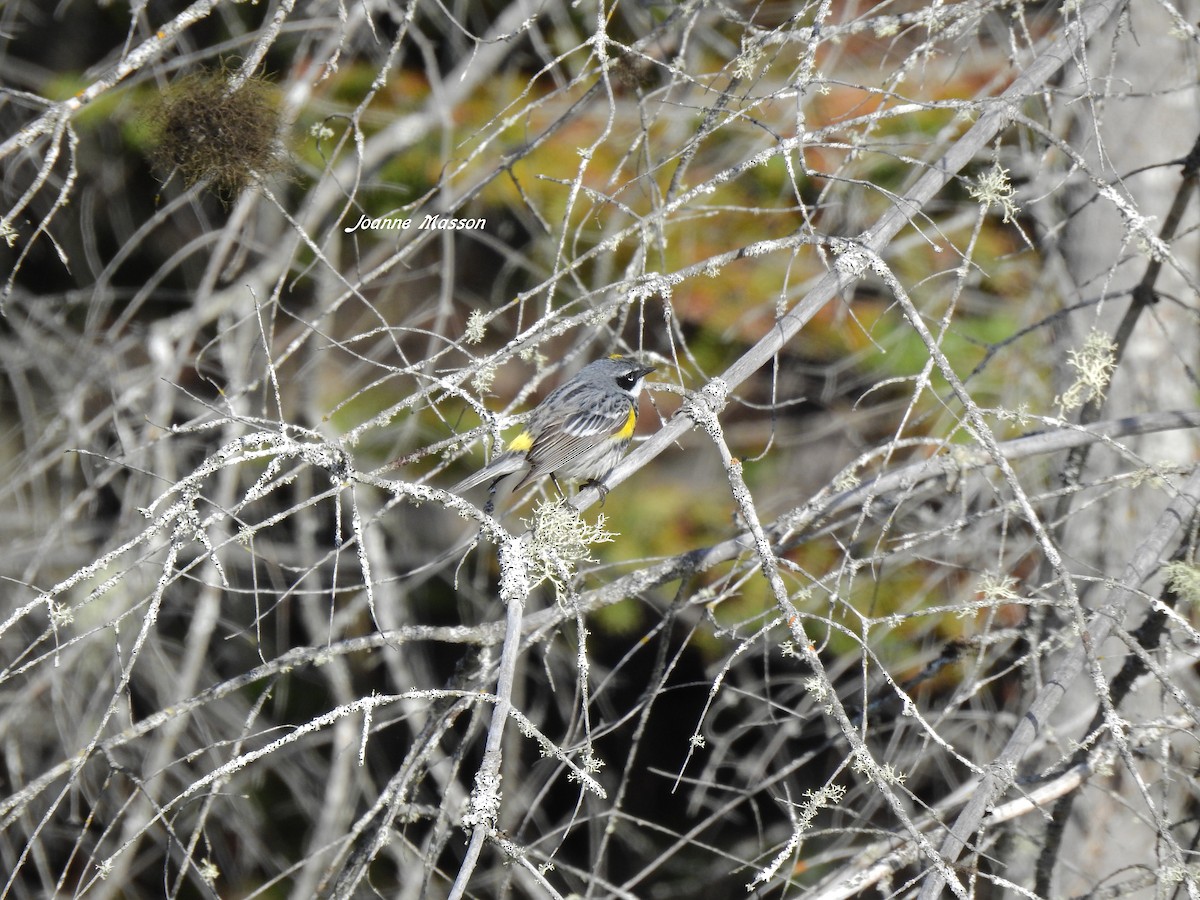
(633, 71)
(207, 131)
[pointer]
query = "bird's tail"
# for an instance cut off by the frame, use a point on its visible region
(504, 464)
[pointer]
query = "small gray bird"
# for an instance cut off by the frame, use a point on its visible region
(579, 432)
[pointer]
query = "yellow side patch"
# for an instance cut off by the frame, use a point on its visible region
(626, 431)
(522, 442)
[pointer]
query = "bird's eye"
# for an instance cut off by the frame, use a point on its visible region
(627, 382)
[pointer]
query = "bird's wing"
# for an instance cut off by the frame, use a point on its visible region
(553, 446)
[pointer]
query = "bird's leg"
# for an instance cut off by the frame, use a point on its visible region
(601, 488)
(558, 487)
(490, 506)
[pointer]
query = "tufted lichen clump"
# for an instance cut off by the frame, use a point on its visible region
(208, 130)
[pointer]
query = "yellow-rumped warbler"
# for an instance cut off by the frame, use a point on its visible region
(580, 431)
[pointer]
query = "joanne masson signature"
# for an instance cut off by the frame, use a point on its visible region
(431, 222)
